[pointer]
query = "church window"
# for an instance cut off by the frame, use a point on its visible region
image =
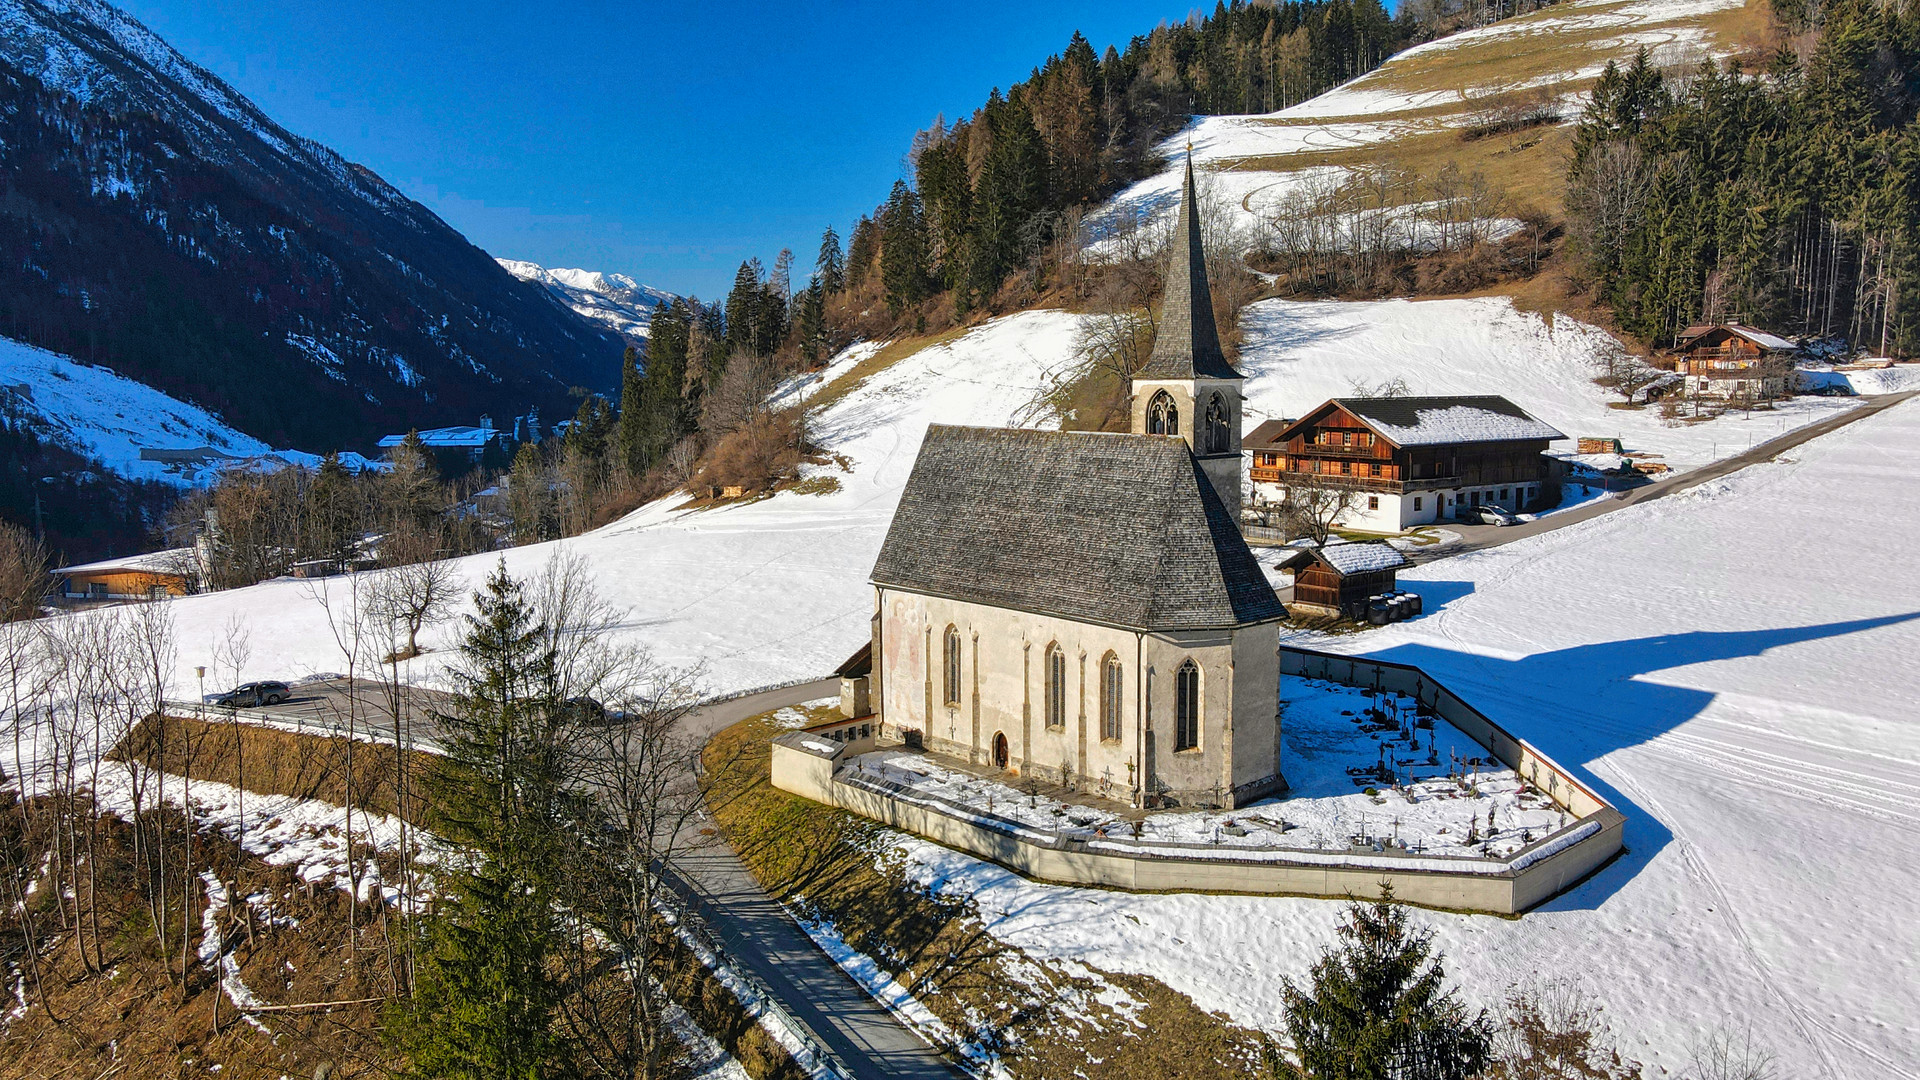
(1163, 416)
(1218, 440)
(1056, 686)
(1186, 707)
(952, 666)
(1110, 687)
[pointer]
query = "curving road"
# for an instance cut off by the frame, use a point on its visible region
(761, 936)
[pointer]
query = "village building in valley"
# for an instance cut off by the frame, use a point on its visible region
(1386, 464)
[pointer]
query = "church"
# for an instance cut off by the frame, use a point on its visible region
(1080, 607)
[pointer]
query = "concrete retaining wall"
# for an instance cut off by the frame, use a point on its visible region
(806, 763)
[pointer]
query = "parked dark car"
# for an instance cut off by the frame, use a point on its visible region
(248, 695)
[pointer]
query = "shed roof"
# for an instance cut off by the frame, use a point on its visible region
(1123, 530)
(1434, 421)
(1346, 557)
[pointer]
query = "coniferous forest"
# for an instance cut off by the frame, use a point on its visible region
(1789, 197)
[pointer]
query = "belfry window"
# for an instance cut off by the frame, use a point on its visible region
(1056, 687)
(1186, 707)
(1163, 416)
(951, 666)
(1218, 440)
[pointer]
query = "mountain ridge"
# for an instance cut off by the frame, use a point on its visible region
(168, 227)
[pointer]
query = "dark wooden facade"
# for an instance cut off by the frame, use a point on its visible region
(1316, 584)
(1333, 444)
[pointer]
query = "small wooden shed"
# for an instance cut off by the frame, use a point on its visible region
(1338, 579)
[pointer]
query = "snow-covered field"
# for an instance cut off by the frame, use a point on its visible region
(761, 593)
(1300, 353)
(1753, 716)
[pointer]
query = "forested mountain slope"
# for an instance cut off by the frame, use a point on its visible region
(154, 220)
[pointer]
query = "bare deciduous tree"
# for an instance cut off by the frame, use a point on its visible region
(1315, 504)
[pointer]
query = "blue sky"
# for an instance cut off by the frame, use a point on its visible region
(664, 141)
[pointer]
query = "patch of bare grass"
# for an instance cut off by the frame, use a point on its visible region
(1042, 1021)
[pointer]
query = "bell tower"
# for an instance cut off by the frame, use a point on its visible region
(1187, 387)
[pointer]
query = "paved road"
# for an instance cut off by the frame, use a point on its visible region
(759, 935)
(1478, 537)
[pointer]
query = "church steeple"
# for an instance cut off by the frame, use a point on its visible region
(1188, 344)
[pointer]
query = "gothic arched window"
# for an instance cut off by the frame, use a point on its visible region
(1163, 416)
(1218, 441)
(1186, 707)
(1111, 676)
(1056, 686)
(952, 666)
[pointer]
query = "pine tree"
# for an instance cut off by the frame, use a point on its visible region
(333, 516)
(486, 997)
(744, 301)
(1378, 1008)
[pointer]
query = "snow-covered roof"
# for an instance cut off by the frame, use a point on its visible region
(450, 437)
(1363, 557)
(170, 561)
(1758, 337)
(1433, 421)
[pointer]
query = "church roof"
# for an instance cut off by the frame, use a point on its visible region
(1188, 344)
(1123, 530)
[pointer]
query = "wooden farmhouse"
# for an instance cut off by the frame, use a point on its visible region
(1727, 360)
(1409, 461)
(155, 575)
(1339, 579)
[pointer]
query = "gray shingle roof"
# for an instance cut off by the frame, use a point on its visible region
(1188, 343)
(1123, 530)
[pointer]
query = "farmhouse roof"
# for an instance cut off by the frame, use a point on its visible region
(1188, 343)
(1123, 530)
(449, 437)
(1267, 434)
(1435, 421)
(1758, 337)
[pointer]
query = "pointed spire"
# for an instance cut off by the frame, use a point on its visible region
(1188, 345)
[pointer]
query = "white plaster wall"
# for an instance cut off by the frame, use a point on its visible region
(1003, 691)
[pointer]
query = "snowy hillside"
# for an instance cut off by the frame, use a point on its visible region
(1416, 103)
(614, 300)
(1757, 728)
(109, 418)
(761, 593)
(1297, 354)
(104, 416)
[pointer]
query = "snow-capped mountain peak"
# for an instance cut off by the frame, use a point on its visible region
(614, 300)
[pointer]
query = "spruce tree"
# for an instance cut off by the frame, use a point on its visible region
(632, 436)
(485, 997)
(903, 250)
(1377, 1007)
(830, 267)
